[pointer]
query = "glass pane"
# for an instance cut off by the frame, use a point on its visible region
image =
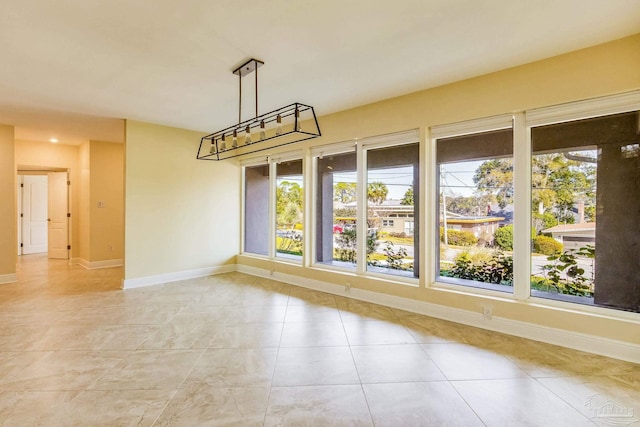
(289, 209)
(586, 211)
(391, 215)
(336, 210)
(475, 210)
(256, 214)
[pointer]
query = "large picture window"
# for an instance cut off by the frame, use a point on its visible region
(256, 209)
(392, 210)
(289, 209)
(336, 206)
(585, 198)
(475, 209)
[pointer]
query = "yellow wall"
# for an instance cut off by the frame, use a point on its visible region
(8, 220)
(84, 194)
(602, 70)
(181, 213)
(49, 155)
(106, 186)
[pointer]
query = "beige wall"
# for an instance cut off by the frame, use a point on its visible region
(602, 70)
(106, 187)
(47, 155)
(181, 213)
(84, 194)
(8, 220)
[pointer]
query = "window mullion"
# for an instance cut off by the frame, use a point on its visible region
(522, 211)
(272, 208)
(361, 209)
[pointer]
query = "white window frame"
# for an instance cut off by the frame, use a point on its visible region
(562, 113)
(523, 122)
(411, 136)
(470, 127)
(271, 161)
(360, 146)
(318, 152)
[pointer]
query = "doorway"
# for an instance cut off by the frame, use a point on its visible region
(43, 213)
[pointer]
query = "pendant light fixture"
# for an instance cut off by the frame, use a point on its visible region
(274, 129)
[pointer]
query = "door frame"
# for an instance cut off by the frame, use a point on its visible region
(42, 170)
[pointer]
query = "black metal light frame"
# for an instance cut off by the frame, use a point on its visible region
(217, 146)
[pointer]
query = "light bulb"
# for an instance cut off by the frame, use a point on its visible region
(298, 124)
(212, 150)
(247, 136)
(263, 133)
(279, 125)
(234, 142)
(223, 145)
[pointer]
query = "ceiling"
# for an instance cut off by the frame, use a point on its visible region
(73, 68)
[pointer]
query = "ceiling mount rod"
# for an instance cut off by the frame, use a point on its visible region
(245, 69)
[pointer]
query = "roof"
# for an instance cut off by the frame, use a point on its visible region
(474, 220)
(564, 228)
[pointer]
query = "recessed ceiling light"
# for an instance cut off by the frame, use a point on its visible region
(54, 140)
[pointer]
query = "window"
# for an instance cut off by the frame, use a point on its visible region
(585, 200)
(336, 207)
(392, 192)
(475, 209)
(256, 209)
(289, 209)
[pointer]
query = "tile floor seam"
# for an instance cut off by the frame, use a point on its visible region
(275, 364)
(177, 389)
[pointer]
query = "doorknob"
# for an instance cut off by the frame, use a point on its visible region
(49, 219)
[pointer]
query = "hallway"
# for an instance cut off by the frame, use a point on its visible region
(237, 350)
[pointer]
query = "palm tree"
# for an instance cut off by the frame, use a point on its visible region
(377, 192)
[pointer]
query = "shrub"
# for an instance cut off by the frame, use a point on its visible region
(498, 269)
(565, 275)
(503, 238)
(546, 245)
(458, 238)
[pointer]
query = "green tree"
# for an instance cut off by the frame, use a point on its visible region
(495, 177)
(469, 206)
(377, 192)
(557, 183)
(288, 203)
(407, 199)
(344, 192)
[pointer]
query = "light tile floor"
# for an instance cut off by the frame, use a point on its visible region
(236, 350)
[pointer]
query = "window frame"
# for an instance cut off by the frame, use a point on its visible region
(565, 113)
(469, 127)
(523, 122)
(359, 146)
(271, 161)
(396, 139)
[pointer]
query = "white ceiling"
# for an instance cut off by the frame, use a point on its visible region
(68, 68)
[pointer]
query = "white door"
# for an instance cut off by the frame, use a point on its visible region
(58, 220)
(34, 214)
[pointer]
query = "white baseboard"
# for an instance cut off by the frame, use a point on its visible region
(8, 278)
(575, 340)
(139, 282)
(94, 265)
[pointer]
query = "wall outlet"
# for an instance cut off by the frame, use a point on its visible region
(347, 287)
(100, 204)
(487, 312)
